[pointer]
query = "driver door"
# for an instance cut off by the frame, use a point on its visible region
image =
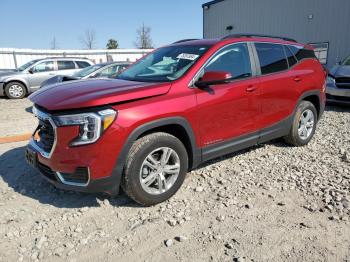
(227, 112)
(41, 72)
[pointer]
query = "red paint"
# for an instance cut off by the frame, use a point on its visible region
(230, 110)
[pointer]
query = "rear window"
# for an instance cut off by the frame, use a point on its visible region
(82, 64)
(301, 53)
(272, 58)
(65, 65)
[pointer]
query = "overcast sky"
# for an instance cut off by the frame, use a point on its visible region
(34, 23)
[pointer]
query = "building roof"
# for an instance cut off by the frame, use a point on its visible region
(208, 4)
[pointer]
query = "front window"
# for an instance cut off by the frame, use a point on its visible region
(44, 67)
(233, 59)
(165, 64)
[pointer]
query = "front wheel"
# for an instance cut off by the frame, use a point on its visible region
(304, 125)
(15, 90)
(155, 169)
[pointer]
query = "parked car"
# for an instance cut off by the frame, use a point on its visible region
(338, 83)
(106, 70)
(26, 79)
(174, 109)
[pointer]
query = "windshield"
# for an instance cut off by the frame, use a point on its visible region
(165, 64)
(87, 71)
(26, 65)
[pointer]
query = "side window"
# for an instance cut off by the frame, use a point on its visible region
(301, 53)
(233, 59)
(290, 56)
(44, 67)
(82, 64)
(108, 72)
(65, 65)
(272, 58)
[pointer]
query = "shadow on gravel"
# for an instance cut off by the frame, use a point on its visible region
(27, 181)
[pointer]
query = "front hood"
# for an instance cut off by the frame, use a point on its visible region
(4, 74)
(89, 93)
(340, 71)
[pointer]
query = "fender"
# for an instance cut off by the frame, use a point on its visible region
(117, 171)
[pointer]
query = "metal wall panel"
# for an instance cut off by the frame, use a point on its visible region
(308, 21)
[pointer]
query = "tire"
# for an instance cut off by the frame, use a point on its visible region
(137, 168)
(305, 110)
(15, 90)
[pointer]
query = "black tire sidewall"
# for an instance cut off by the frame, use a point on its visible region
(15, 83)
(301, 108)
(133, 170)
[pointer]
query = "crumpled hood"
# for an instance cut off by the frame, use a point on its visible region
(89, 93)
(340, 71)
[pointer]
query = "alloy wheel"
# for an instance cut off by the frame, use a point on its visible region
(306, 124)
(160, 170)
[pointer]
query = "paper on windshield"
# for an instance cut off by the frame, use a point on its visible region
(186, 56)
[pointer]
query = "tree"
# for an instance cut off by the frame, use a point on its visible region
(89, 39)
(53, 43)
(143, 38)
(112, 44)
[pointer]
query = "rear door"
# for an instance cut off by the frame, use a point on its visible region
(278, 90)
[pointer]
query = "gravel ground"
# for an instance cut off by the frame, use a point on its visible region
(269, 203)
(13, 112)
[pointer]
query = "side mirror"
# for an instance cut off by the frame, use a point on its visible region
(214, 78)
(31, 71)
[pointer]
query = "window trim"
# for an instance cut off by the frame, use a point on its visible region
(251, 58)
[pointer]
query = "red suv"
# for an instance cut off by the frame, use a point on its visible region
(174, 109)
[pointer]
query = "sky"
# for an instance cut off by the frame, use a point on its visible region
(34, 23)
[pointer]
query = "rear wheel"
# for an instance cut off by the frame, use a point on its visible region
(156, 168)
(15, 90)
(304, 125)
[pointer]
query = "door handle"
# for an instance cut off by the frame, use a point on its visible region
(297, 79)
(251, 88)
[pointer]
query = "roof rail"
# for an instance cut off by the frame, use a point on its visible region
(258, 35)
(184, 40)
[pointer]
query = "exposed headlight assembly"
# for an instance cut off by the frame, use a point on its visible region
(330, 80)
(91, 125)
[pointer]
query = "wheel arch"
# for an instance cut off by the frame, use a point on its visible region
(313, 97)
(18, 81)
(177, 126)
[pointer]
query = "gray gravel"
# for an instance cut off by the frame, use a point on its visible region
(16, 117)
(268, 203)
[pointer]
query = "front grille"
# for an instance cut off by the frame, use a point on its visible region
(46, 171)
(46, 135)
(343, 82)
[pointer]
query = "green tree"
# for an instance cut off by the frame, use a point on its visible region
(112, 44)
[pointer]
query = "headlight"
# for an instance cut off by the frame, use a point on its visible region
(91, 125)
(330, 80)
